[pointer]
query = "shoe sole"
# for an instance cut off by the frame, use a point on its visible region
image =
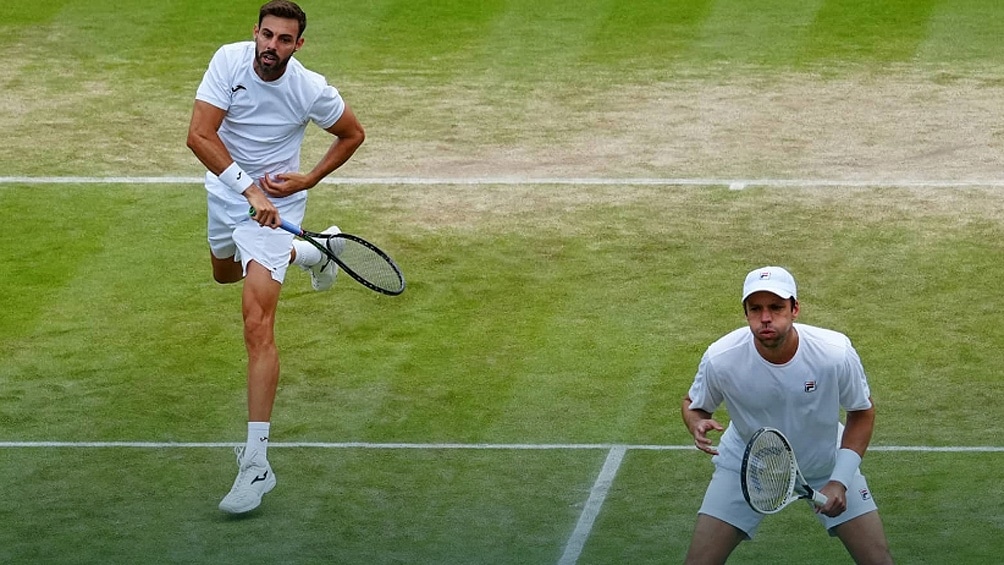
(244, 510)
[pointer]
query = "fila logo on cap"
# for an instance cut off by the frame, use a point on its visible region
(771, 279)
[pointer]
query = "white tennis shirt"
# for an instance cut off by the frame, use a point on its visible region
(266, 121)
(802, 397)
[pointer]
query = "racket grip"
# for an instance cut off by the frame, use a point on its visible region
(288, 226)
(818, 498)
(291, 227)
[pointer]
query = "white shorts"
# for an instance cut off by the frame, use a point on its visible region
(724, 500)
(232, 232)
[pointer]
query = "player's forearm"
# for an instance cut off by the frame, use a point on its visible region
(691, 416)
(209, 149)
(858, 430)
(338, 154)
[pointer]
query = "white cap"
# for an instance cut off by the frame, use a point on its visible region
(771, 279)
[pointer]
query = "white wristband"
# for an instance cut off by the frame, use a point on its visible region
(846, 466)
(235, 178)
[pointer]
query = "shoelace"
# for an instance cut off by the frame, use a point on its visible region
(242, 464)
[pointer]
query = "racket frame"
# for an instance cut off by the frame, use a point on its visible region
(798, 487)
(313, 239)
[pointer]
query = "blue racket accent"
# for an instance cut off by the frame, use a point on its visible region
(288, 226)
(291, 227)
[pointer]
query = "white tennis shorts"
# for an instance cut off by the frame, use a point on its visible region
(724, 500)
(232, 232)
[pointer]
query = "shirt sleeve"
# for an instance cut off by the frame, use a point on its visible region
(703, 394)
(328, 107)
(215, 86)
(854, 389)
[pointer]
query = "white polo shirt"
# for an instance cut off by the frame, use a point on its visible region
(802, 397)
(265, 121)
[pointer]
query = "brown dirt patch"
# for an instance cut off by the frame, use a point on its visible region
(899, 127)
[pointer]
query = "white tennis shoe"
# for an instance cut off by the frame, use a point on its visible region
(322, 275)
(254, 479)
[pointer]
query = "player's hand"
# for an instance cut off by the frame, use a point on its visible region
(285, 184)
(265, 213)
(701, 439)
(836, 499)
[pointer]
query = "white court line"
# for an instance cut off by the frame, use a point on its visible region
(591, 510)
(471, 446)
(732, 183)
(597, 495)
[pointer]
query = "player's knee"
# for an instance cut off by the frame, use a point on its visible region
(226, 278)
(259, 332)
(227, 271)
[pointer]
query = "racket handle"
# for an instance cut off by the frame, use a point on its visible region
(291, 227)
(288, 226)
(818, 498)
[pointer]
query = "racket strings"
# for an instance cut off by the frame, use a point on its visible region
(769, 473)
(366, 263)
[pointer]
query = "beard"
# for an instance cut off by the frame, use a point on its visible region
(270, 64)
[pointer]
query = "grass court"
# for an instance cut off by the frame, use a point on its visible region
(554, 179)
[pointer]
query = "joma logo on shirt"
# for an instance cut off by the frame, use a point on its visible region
(810, 386)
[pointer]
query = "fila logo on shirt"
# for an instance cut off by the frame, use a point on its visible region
(810, 386)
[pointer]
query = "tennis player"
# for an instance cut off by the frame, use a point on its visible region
(251, 112)
(795, 378)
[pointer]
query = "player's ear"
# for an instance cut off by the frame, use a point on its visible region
(794, 308)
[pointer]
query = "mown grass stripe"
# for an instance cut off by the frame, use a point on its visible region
(732, 183)
(435, 446)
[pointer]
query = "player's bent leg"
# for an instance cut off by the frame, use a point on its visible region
(322, 270)
(259, 301)
(226, 270)
(864, 538)
(713, 541)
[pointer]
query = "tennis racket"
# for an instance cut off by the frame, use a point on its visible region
(771, 479)
(360, 259)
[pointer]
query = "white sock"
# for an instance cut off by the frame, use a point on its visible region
(306, 254)
(257, 437)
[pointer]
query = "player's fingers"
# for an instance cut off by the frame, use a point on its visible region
(704, 444)
(272, 218)
(709, 425)
(834, 507)
(267, 215)
(264, 218)
(270, 187)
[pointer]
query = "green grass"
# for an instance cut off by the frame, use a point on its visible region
(572, 336)
(535, 314)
